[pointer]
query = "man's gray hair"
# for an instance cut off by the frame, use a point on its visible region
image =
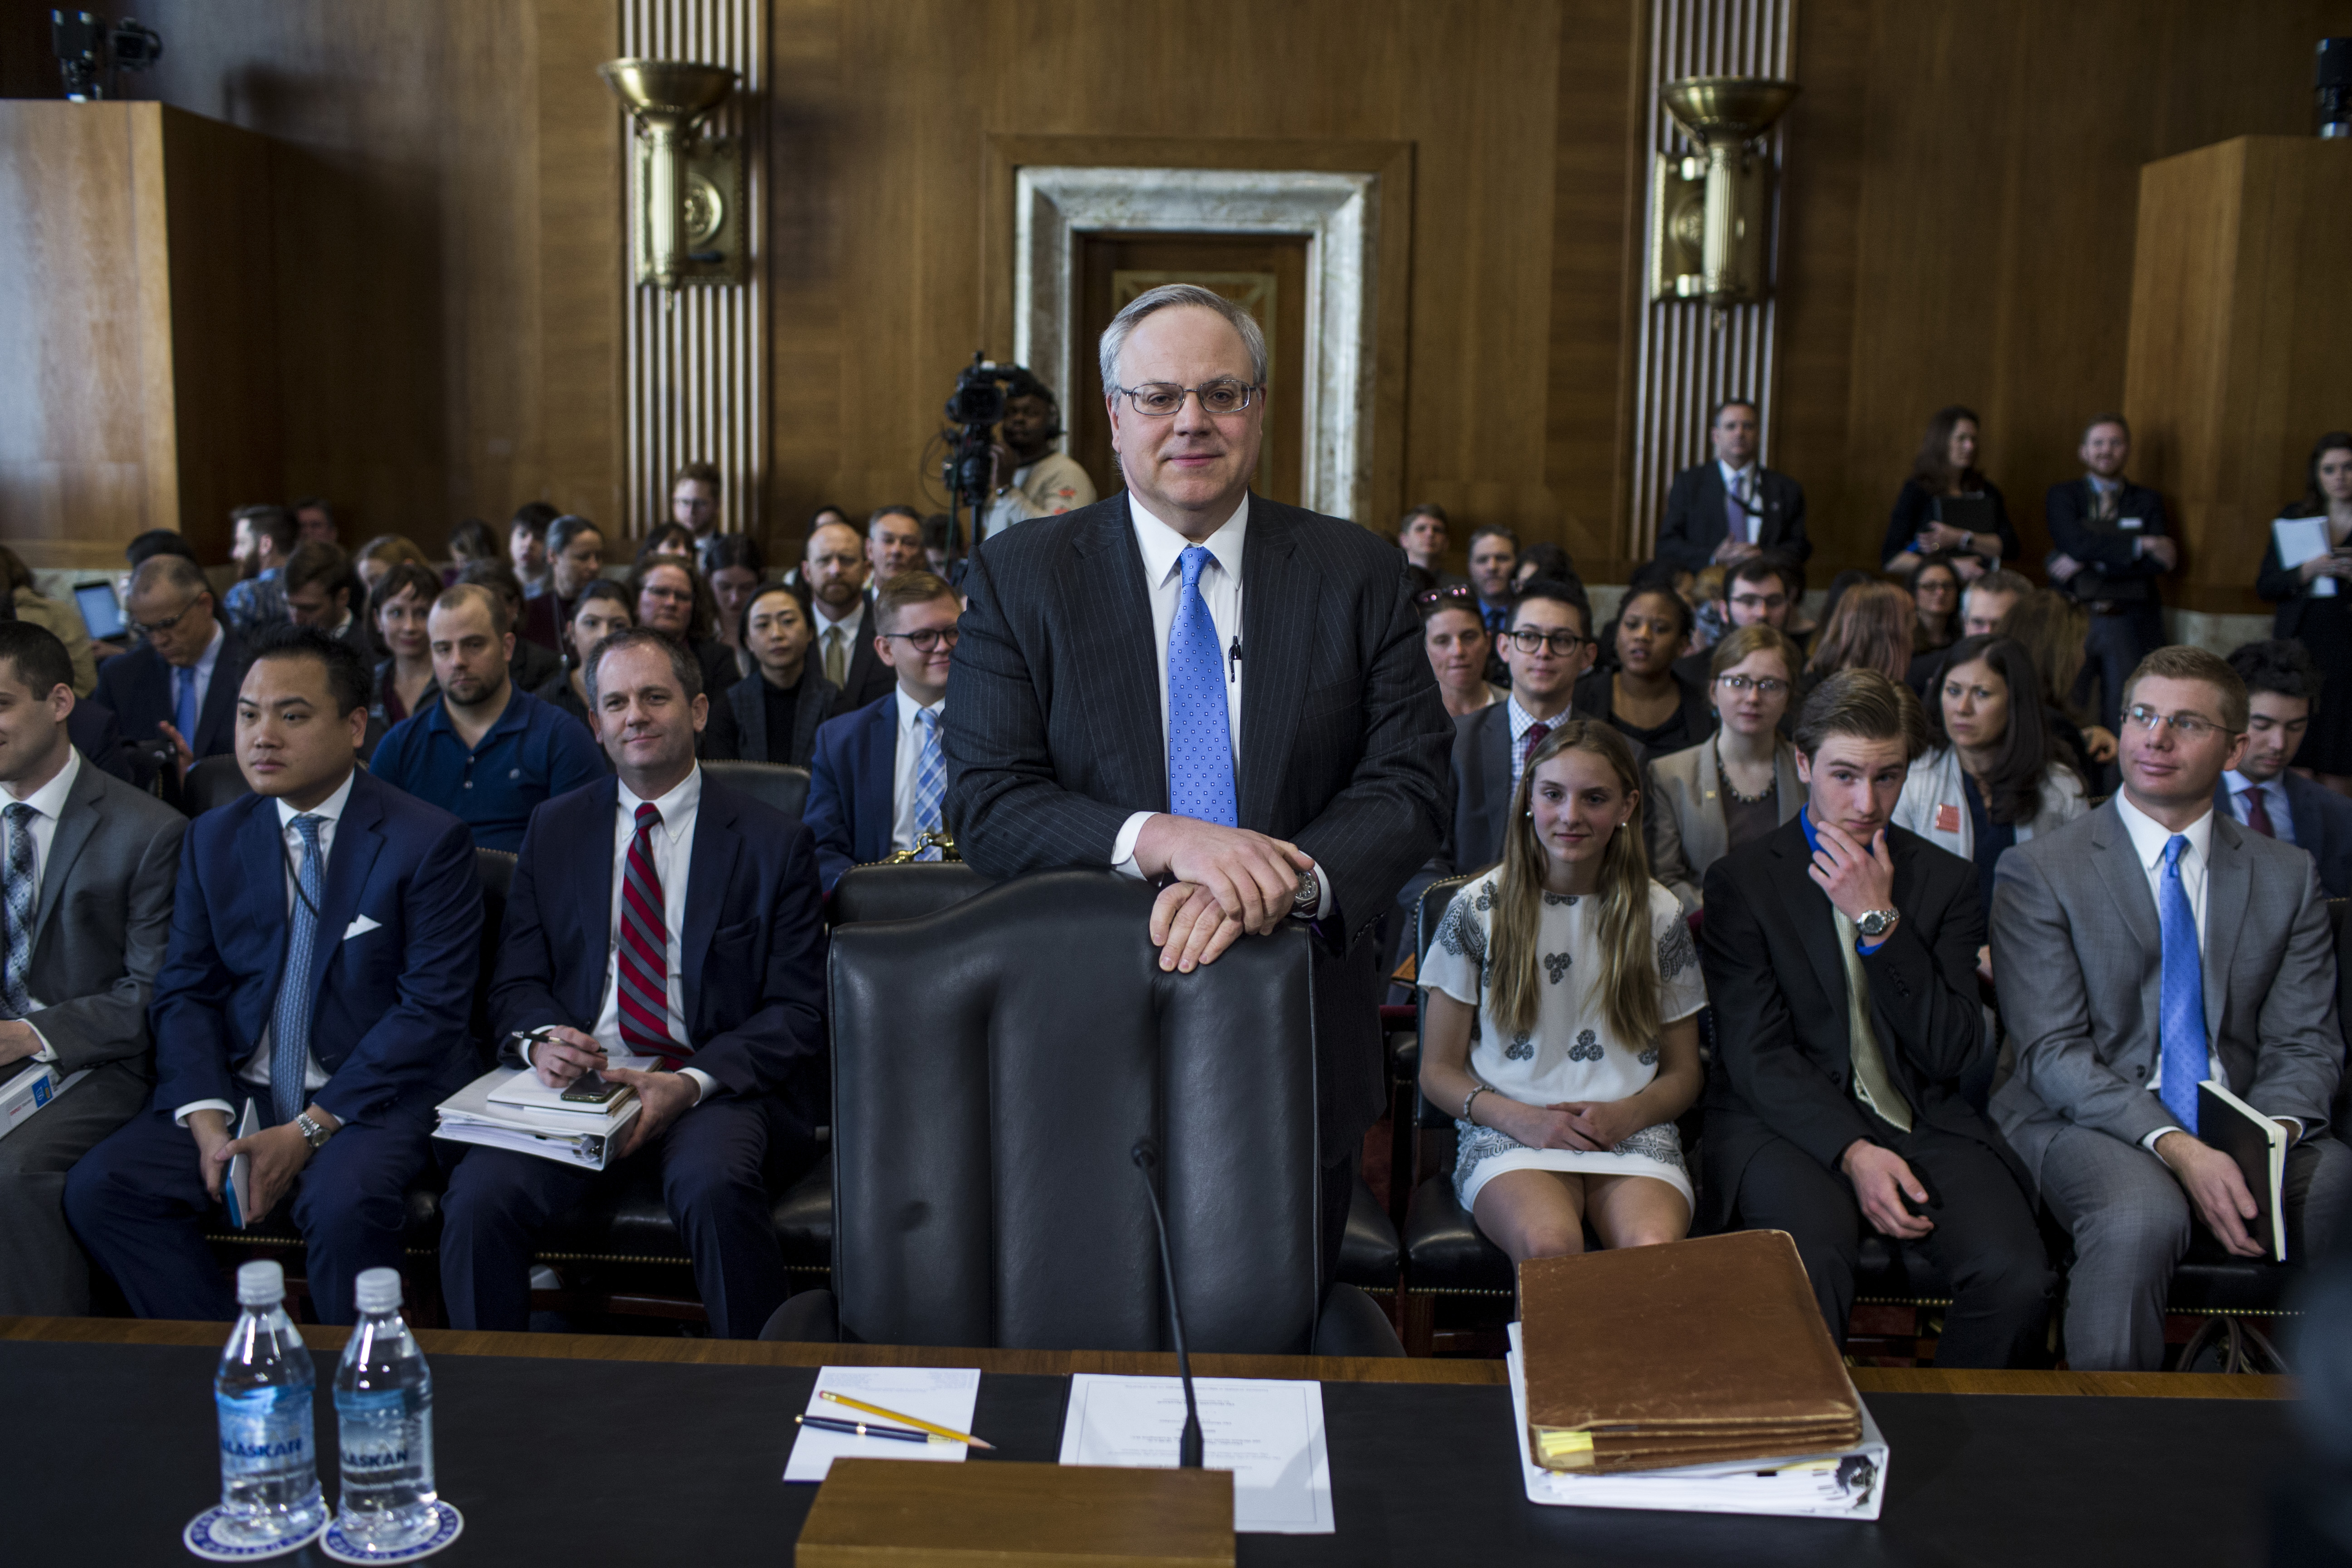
(1123, 325)
(173, 571)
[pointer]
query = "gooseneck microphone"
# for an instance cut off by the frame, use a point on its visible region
(1146, 1155)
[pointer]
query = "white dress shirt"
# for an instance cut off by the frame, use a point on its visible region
(46, 802)
(907, 758)
(1745, 524)
(1521, 722)
(256, 1067)
(1220, 589)
(672, 847)
(850, 625)
(2273, 802)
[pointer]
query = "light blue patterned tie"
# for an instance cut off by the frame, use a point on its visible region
(1199, 729)
(289, 1024)
(15, 992)
(183, 706)
(2181, 1030)
(930, 782)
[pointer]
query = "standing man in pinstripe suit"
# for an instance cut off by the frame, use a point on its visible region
(1208, 690)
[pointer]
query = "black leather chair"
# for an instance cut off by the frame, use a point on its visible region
(881, 891)
(779, 785)
(985, 1105)
(211, 782)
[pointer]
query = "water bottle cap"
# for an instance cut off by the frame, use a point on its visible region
(260, 1284)
(379, 1290)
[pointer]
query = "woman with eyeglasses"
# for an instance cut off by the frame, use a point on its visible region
(2315, 605)
(672, 598)
(598, 610)
(1643, 698)
(1454, 635)
(772, 714)
(1738, 784)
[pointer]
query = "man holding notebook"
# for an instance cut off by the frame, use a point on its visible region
(2149, 947)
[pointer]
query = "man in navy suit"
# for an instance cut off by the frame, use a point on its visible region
(1733, 507)
(2282, 690)
(2109, 550)
(666, 931)
(324, 939)
(180, 685)
(878, 780)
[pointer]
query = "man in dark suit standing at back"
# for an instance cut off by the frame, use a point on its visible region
(180, 684)
(664, 931)
(1731, 507)
(2109, 549)
(1208, 690)
(87, 866)
(325, 934)
(1841, 958)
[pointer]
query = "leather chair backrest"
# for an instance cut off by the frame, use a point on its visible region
(779, 785)
(886, 892)
(1432, 909)
(994, 1064)
(495, 870)
(211, 782)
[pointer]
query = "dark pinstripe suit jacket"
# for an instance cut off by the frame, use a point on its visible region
(1052, 734)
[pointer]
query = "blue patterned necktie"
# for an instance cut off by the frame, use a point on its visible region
(289, 1022)
(15, 995)
(1199, 729)
(2180, 1032)
(930, 782)
(184, 705)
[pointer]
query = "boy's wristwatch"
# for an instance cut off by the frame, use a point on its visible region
(1875, 923)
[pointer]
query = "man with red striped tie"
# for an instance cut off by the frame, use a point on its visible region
(686, 961)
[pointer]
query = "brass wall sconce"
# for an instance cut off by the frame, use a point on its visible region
(1709, 214)
(686, 222)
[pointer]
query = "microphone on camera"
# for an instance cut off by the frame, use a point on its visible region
(1146, 1155)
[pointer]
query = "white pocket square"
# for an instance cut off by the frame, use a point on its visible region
(360, 927)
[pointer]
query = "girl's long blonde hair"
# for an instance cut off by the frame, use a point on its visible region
(1628, 983)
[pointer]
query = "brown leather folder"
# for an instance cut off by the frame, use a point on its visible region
(1690, 1353)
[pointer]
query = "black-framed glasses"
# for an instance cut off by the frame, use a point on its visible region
(1163, 399)
(1527, 639)
(149, 628)
(2188, 726)
(929, 640)
(1765, 685)
(1434, 596)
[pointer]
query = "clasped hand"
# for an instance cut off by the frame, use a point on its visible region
(1227, 880)
(279, 1154)
(1595, 1126)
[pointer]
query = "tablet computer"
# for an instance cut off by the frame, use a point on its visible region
(100, 611)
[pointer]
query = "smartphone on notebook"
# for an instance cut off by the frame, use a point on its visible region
(594, 1088)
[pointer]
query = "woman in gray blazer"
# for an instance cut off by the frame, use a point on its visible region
(1739, 783)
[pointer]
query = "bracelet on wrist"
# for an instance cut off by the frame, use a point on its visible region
(1469, 1098)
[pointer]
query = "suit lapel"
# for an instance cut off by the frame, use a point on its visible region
(716, 847)
(1809, 917)
(2228, 883)
(2127, 879)
(1278, 594)
(220, 699)
(878, 773)
(358, 841)
(1706, 838)
(75, 823)
(590, 856)
(1116, 667)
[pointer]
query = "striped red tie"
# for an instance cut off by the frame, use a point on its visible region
(644, 950)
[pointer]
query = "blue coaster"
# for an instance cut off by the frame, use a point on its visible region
(452, 1523)
(198, 1537)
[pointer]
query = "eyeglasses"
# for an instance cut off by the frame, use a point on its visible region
(1763, 685)
(1433, 595)
(149, 628)
(1163, 399)
(671, 595)
(1527, 639)
(2189, 727)
(929, 640)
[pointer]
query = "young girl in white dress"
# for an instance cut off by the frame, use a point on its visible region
(1561, 993)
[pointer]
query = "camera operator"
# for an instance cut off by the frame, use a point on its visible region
(1032, 479)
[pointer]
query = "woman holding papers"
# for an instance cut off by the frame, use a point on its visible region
(2314, 600)
(1562, 992)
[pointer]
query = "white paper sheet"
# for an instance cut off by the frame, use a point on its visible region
(2302, 539)
(1267, 1432)
(941, 1395)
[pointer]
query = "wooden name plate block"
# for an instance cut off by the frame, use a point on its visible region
(1006, 1515)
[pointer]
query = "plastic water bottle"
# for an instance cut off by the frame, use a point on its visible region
(383, 1403)
(269, 1471)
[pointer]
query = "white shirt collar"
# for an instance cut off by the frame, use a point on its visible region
(1163, 546)
(909, 710)
(331, 808)
(1730, 473)
(2237, 782)
(50, 799)
(826, 623)
(684, 795)
(2149, 836)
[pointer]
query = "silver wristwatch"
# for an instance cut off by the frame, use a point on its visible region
(312, 1132)
(1309, 894)
(1875, 923)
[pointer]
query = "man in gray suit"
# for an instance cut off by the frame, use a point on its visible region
(88, 863)
(2139, 951)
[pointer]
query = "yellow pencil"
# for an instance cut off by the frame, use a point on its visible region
(950, 1433)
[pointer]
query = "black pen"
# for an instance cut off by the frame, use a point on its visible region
(1233, 660)
(865, 1429)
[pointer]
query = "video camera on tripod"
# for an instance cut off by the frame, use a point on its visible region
(975, 408)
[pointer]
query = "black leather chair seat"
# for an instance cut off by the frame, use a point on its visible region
(1888, 1272)
(881, 891)
(420, 1232)
(1445, 1250)
(1368, 1253)
(804, 1218)
(626, 1222)
(2209, 1280)
(780, 785)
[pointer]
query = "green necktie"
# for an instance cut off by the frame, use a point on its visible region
(836, 660)
(1870, 1084)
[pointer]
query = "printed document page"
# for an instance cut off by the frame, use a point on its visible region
(942, 1396)
(1268, 1433)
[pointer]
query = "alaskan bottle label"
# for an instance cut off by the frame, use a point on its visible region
(265, 1429)
(378, 1437)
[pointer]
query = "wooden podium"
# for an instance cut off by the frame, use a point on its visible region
(2240, 350)
(884, 1513)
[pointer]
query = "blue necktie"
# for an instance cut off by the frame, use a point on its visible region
(17, 964)
(2180, 1032)
(183, 706)
(289, 1022)
(930, 782)
(1199, 729)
